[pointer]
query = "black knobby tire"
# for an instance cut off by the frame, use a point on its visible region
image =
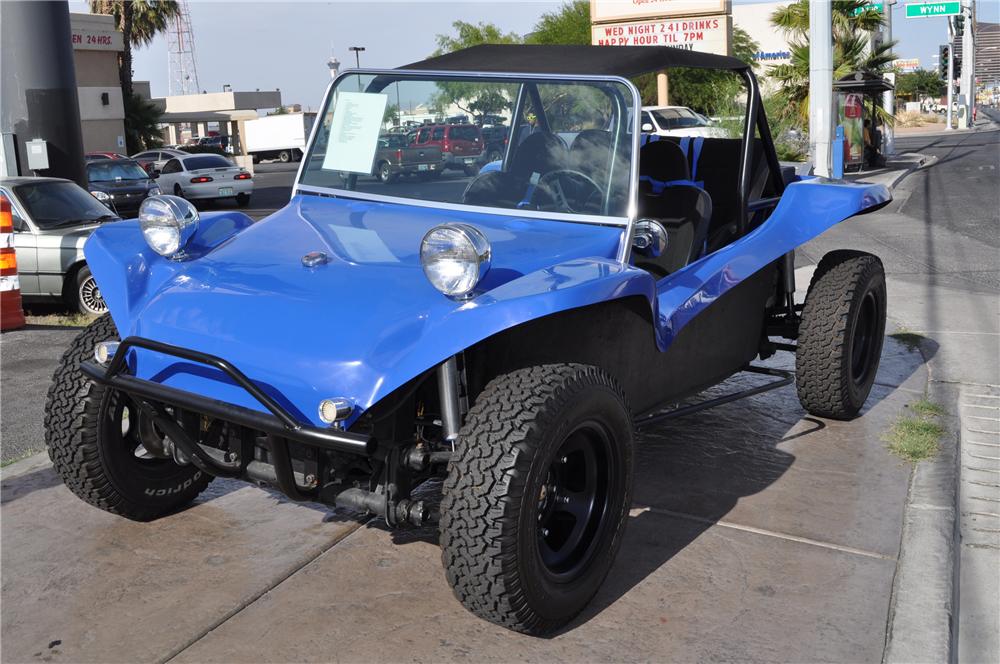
(92, 457)
(841, 335)
(511, 556)
(85, 294)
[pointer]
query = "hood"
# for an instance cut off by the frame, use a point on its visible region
(350, 328)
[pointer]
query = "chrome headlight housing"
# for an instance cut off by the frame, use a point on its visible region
(455, 258)
(167, 223)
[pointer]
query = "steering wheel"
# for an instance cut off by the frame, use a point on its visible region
(566, 190)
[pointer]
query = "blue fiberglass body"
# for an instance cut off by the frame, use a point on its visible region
(368, 321)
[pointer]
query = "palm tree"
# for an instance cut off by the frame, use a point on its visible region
(139, 21)
(853, 21)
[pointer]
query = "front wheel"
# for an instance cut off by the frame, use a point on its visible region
(840, 338)
(285, 156)
(86, 294)
(100, 444)
(537, 496)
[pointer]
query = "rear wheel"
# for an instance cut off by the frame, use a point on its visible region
(384, 173)
(285, 156)
(841, 335)
(100, 443)
(242, 200)
(537, 496)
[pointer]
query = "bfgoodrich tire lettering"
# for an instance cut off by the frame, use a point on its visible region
(497, 516)
(85, 436)
(841, 335)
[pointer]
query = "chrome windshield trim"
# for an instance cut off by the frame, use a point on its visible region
(621, 222)
(627, 222)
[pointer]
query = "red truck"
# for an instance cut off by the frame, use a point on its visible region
(461, 145)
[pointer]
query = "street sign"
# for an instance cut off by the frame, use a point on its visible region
(877, 6)
(929, 9)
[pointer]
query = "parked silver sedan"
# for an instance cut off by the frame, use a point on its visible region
(52, 219)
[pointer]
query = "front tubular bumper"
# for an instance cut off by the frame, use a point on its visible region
(277, 423)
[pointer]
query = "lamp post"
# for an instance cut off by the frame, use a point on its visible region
(357, 54)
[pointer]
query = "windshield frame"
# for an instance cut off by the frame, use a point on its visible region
(624, 222)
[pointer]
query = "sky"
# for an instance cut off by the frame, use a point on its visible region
(285, 45)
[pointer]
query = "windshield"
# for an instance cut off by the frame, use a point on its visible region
(565, 145)
(678, 118)
(208, 161)
(112, 170)
(54, 204)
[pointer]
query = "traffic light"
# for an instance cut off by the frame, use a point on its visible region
(959, 25)
(944, 52)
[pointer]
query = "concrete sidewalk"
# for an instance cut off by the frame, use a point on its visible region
(758, 533)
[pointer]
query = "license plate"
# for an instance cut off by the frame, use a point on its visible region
(422, 167)
(225, 191)
(469, 160)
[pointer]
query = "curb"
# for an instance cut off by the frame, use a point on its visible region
(923, 614)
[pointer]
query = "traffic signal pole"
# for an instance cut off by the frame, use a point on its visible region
(951, 73)
(820, 85)
(968, 79)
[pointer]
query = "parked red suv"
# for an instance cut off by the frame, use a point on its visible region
(461, 145)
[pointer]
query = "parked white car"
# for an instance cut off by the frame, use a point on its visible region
(678, 121)
(155, 159)
(204, 177)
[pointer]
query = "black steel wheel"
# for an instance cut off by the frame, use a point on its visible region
(537, 495)
(102, 447)
(841, 335)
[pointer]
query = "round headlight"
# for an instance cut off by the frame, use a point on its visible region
(153, 191)
(455, 258)
(167, 223)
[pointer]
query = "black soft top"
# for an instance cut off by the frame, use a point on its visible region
(586, 60)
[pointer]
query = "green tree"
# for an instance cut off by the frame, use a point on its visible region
(570, 24)
(919, 83)
(139, 21)
(141, 124)
(473, 98)
(853, 22)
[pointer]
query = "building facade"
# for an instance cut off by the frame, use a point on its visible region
(988, 55)
(96, 45)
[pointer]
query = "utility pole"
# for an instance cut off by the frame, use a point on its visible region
(820, 85)
(951, 72)
(889, 96)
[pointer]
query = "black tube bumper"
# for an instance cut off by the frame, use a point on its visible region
(278, 423)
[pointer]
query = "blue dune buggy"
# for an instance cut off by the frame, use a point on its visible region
(505, 331)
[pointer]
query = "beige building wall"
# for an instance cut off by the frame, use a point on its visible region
(96, 44)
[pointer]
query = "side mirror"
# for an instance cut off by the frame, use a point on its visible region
(650, 238)
(647, 127)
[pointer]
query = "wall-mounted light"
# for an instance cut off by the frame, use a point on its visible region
(105, 99)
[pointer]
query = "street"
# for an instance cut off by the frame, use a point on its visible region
(758, 533)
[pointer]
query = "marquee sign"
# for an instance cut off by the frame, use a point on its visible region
(706, 34)
(603, 11)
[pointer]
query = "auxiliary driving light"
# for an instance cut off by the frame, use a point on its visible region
(334, 410)
(104, 351)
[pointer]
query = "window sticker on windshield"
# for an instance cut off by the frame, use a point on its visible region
(357, 120)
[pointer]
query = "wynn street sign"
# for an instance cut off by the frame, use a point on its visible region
(877, 6)
(929, 9)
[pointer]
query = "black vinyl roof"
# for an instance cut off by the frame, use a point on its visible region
(592, 60)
